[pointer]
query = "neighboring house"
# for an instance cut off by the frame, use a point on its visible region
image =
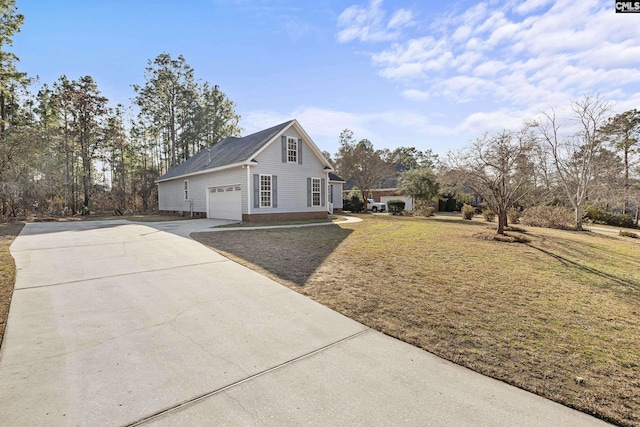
(383, 195)
(277, 173)
(336, 185)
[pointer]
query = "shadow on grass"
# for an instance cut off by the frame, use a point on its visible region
(633, 285)
(291, 254)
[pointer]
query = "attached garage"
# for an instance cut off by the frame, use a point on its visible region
(225, 203)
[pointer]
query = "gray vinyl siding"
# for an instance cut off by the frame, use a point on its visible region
(292, 177)
(171, 193)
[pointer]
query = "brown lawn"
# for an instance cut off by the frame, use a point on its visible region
(8, 232)
(559, 316)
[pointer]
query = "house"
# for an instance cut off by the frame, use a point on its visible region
(275, 174)
(383, 195)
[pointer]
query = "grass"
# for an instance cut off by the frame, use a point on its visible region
(558, 315)
(282, 223)
(8, 232)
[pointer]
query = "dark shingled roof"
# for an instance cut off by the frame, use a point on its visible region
(226, 152)
(334, 177)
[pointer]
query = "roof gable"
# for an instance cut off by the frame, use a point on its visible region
(230, 150)
(233, 150)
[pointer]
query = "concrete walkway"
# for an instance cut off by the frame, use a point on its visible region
(114, 323)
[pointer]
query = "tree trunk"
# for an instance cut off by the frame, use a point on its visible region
(502, 221)
(579, 218)
(86, 183)
(625, 209)
(172, 136)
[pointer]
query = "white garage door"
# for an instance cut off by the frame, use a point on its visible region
(225, 203)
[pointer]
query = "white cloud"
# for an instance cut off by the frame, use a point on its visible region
(526, 7)
(370, 24)
(489, 68)
(494, 121)
(385, 129)
(416, 95)
(517, 53)
(498, 63)
(461, 33)
(255, 121)
(401, 18)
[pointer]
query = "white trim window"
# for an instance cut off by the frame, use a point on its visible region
(292, 150)
(265, 191)
(315, 192)
(186, 189)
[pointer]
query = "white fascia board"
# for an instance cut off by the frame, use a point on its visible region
(313, 146)
(219, 168)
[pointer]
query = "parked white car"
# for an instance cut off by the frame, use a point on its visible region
(374, 206)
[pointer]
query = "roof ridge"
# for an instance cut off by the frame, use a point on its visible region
(230, 150)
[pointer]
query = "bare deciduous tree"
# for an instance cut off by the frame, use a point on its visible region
(497, 168)
(623, 134)
(575, 155)
(360, 161)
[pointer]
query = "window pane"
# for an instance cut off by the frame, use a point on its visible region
(315, 192)
(265, 191)
(292, 150)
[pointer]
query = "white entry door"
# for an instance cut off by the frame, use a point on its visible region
(225, 203)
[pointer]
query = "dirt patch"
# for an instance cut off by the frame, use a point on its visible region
(557, 316)
(506, 237)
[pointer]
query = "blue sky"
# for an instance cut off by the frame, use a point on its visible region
(429, 74)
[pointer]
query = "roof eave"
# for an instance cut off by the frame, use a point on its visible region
(216, 169)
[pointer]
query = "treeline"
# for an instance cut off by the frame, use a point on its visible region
(65, 151)
(587, 161)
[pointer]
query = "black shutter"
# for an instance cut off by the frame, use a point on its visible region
(256, 191)
(274, 191)
(284, 148)
(308, 192)
(323, 190)
(300, 144)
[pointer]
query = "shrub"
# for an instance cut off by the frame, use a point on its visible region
(599, 216)
(596, 215)
(353, 204)
(628, 234)
(513, 215)
(424, 208)
(488, 215)
(463, 199)
(395, 206)
(450, 202)
(548, 216)
(425, 211)
(467, 211)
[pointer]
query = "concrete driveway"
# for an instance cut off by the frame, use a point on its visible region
(114, 323)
